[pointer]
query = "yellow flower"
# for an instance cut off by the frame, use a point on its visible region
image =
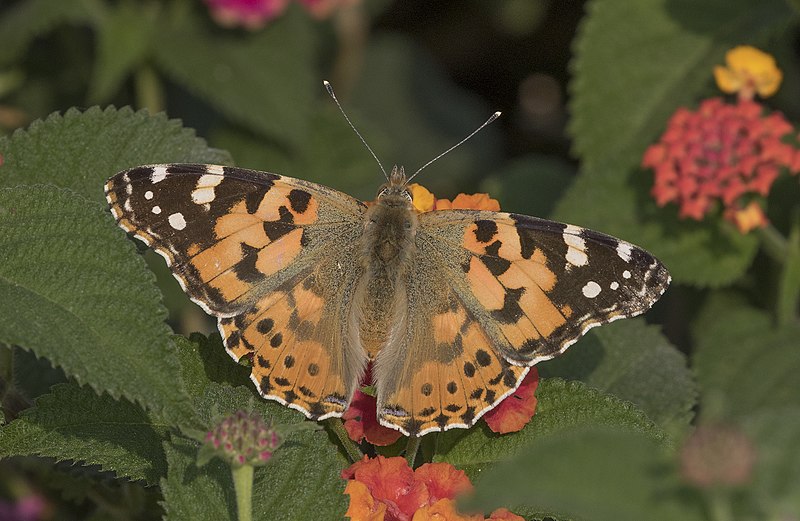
(421, 197)
(749, 71)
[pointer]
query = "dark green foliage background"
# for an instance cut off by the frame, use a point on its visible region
(102, 398)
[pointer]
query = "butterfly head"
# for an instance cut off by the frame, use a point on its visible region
(395, 192)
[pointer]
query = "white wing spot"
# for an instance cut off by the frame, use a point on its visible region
(626, 274)
(576, 247)
(156, 210)
(148, 195)
(624, 251)
(591, 289)
(614, 285)
(177, 221)
(159, 174)
(127, 205)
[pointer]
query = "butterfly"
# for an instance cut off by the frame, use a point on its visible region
(450, 307)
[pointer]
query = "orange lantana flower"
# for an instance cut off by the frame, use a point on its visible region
(513, 413)
(748, 71)
(425, 201)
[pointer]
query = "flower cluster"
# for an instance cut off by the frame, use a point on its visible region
(425, 201)
(720, 152)
(254, 14)
(727, 152)
(387, 489)
(718, 455)
(241, 439)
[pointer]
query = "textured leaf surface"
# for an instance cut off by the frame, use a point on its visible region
(301, 481)
(75, 292)
(634, 362)
(593, 474)
(742, 361)
(636, 62)
(80, 150)
(263, 80)
(561, 406)
(74, 423)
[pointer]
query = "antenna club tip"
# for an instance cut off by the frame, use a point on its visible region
(326, 83)
(497, 114)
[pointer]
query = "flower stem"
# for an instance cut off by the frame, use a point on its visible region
(789, 283)
(352, 450)
(149, 94)
(775, 244)
(719, 506)
(243, 485)
(411, 450)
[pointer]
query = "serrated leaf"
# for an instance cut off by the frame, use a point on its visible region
(75, 292)
(80, 150)
(74, 423)
(301, 481)
(634, 362)
(204, 361)
(264, 80)
(34, 376)
(124, 36)
(27, 20)
(743, 362)
(592, 474)
(661, 54)
(561, 406)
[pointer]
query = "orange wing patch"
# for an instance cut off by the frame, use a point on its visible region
(290, 362)
(464, 380)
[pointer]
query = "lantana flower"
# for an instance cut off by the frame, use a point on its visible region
(240, 439)
(721, 152)
(249, 14)
(513, 413)
(387, 489)
(748, 72)
(361, 421)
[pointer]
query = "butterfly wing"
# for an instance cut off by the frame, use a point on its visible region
(272, 257)
(493, 294)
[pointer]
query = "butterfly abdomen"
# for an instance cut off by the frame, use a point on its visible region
(387, 252)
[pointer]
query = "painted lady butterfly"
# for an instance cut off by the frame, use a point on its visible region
(452, 307)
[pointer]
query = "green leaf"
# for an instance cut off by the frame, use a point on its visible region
(635, 64)
(591, 473)
(634, 362)
(204, 361)
(263, 80)
(27, 20)
(75, 292)
(301, 481)
(561, 406)
(80, 150)
(124, 37)
(74, 423)
(743, 362)
(34, 376)
(775, 491)
(530, 185)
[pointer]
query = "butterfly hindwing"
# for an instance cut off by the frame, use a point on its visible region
(251, 248)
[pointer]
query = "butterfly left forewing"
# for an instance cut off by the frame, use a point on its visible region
(266, 254)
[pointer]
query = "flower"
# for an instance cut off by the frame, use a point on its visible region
(718, 455)
(389, 490)
(27, 508)
(748, 218)
(250, 14)
(240, 439)
(361, 422)
(424, 201)
(513, 413)
(725, 152)
(749, 71)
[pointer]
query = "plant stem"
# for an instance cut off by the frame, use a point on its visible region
(719, 506)
(774, 243)
(352, 450)
(149, 94)
(411, 450)
(789, 282)
(243, 485)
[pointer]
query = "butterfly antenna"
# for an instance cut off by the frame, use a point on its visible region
(329, 88)
(423, 167)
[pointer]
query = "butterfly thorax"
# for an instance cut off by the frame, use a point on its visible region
(388, 251)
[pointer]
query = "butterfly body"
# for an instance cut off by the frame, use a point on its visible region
(451, 307)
